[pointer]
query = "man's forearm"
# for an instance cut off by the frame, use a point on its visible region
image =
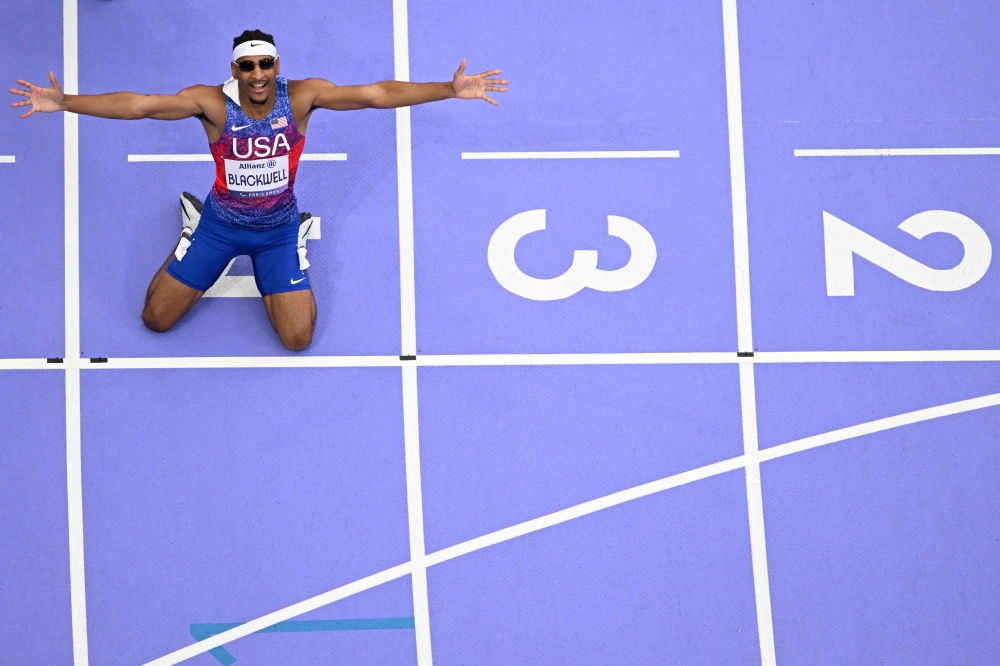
(400, 93)
(117, 105)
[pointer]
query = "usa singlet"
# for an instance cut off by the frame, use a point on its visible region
(255, 165)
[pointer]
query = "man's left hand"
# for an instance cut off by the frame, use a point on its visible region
(476, 86)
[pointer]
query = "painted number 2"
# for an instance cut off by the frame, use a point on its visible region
(843, 241)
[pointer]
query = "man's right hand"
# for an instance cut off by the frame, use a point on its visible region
(41, 99)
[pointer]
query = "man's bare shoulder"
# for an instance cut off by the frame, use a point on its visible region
(309, 83)
(210, 99)
(200, 91)
(309, 87)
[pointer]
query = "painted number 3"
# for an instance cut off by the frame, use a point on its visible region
(843, 241)
(582, 273)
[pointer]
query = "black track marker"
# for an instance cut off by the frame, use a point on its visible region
(407, 358)
(745, 354)
(53, 360)
(99, 359)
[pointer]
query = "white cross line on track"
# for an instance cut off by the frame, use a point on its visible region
(207, 157)
(468, 360)
(573, 155)
(7, 159)
(578, 511)
(892, 152)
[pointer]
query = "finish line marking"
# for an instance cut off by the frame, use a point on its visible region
(459, 360)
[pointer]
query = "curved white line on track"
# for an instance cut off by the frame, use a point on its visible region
(577, 511)
(879, 425)
(283, 614)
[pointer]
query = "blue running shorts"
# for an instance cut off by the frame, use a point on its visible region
(215, 243)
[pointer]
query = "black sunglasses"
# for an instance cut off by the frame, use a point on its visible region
(249, 65)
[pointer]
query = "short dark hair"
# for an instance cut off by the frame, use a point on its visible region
(255, 35)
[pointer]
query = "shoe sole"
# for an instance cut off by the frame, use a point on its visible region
(195, 201)
(303, 218)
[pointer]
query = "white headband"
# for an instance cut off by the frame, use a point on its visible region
(254, 47)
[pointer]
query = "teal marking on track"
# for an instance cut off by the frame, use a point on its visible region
(202, 631)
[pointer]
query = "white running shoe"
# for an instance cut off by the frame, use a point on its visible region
(306, 221)
(190, 217)
(190, 212)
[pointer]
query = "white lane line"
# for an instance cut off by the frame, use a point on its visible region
(915, 356)
(71, 186)
(573, 512)
(7, 159)
(458, 360)
(879, 425)
(579, 359)
(573, 155)
(664, 358)
(407, 280)
(195, 362)
(207, 157)
(744, 332)
(755, 513)
(323, 157)
(893, 152)
(71, 281)
(281, 615)
(404, 175)
(737, 176)
(408, 342)
(415, 514)
(195, 157)
(29, 364)
(74, 493)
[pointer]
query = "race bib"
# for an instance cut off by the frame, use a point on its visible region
(257, 178)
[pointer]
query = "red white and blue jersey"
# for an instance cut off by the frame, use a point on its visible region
(255, 165)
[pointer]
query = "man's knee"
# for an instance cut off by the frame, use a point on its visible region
(297, 339)
(156, 321)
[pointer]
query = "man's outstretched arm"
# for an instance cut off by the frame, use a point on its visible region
(392, 94)
(117, 105)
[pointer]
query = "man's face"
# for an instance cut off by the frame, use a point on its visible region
(256, 85)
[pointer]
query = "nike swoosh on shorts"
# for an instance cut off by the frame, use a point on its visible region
(297, 281)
